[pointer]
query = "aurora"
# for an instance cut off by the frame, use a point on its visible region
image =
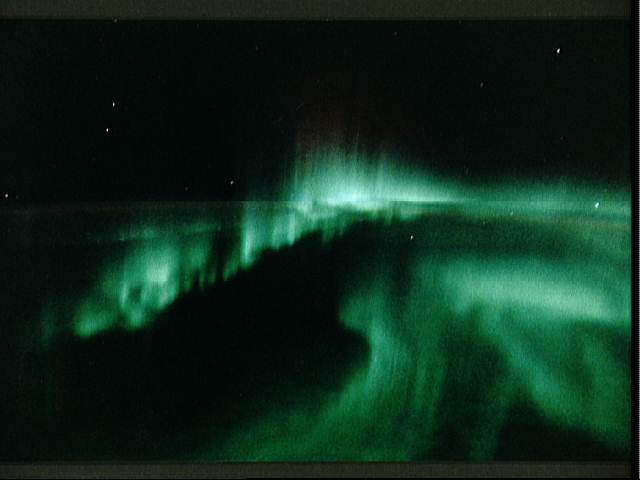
(554, 268)
(311, 241)
(325, 195)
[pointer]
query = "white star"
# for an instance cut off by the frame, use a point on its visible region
(558, 51)
(597, 204)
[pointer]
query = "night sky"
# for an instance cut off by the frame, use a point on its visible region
(203, 110)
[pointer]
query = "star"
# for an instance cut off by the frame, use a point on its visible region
(107, 130)
(6, 195)
(597, 204)
(411, 237)
(481, 84)
(113, 104)
(231, 182)
(558, 50)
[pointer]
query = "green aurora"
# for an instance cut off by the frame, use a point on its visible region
(335, 192)
(557, 320)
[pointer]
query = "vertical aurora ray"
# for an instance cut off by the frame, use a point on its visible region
(341, 178)
(149, 277)
(331, 192)
(328, 191)
(328, 194)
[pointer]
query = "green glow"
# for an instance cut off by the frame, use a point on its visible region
(540, 315)
(337, 178)
(537, 314)
(150, 276)
(534, 285)
(546, 314)
(327, 192)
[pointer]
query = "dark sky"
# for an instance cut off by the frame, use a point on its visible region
(199, 104)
